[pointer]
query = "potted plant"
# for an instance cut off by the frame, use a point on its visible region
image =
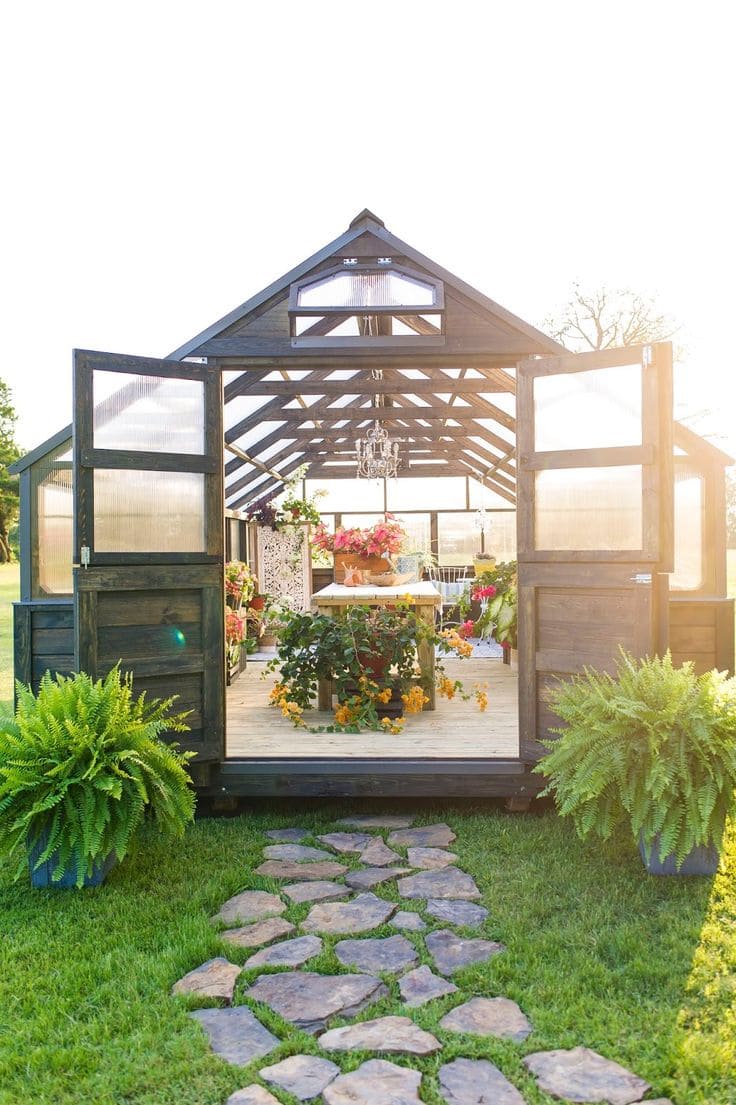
(653, 747)
(370, 656)
(495, 592)
(284, 507)
(483, 562)
(82, 764)
(371, 548)
(240, 584)
(235, 629)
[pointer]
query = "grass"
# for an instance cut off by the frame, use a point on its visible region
(9, 589)
(638, 968)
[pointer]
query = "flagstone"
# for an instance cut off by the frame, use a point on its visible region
(287, 836)
(446, 882)
(289, 953)
(252, 1095)
(364, 913)
(426, 836)
(262, 932)
(315, 891)
(465, 914)
(298, 853)
(450, 951)
(304, 1076)
(214, 979)
(428, 859)
(310, 1000)
(373, 955)
(250, 905)
(375, 1082)
(236, 1035)
(476, 1082)
(408, 921)
(499, 1017)
(287, 869)
(391, 1035)
(377, 821)
(420, 986)
(346, 842)
(373, 876)
(580, 1074)
(377, 854)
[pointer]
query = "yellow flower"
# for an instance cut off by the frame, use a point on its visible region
(343, 715)
(278, 692)
(392, 725)
(384, 695)
(414, 700)
(446, 687)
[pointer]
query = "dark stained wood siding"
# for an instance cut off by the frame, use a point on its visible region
(702, 630)
(43, 635)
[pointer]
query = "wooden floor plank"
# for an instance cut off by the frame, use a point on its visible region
(455, 729)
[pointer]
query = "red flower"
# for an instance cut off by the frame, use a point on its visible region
(484, 592)
(466, 629)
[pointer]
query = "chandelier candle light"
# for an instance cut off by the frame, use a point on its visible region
(377, 454)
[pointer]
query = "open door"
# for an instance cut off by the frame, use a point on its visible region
(595, 517)
(149, 536)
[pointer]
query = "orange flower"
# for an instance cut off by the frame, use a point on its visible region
(414, 700)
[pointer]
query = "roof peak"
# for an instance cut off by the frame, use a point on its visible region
(364, 216)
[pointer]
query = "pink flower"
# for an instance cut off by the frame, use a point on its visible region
(484, 592)
(466, 629)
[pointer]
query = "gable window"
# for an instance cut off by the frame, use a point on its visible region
(379, 302)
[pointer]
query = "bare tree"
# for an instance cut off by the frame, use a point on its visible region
(606, 317)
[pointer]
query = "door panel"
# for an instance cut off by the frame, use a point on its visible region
(595, 521)
(149, 527)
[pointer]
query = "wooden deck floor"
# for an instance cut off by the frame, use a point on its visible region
(454, 730)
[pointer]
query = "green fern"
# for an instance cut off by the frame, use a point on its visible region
(82, 764)
(655, 746)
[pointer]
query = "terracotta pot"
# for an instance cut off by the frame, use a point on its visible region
(362, 563)
(374, 664)
(257, 602)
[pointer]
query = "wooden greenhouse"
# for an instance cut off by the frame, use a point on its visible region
(615, 512)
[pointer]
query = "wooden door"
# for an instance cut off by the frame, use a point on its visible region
(149, 533)
(595, 517)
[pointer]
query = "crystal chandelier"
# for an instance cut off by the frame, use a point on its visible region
(377, 454)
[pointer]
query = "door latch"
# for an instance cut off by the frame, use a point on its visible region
(641, 577)
(84, 556)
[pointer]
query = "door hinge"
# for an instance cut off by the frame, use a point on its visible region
(641, 577)
(84, 556)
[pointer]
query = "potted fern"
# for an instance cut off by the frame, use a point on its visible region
(82, 764)
(654, 747)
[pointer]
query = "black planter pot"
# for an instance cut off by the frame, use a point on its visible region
(703, 860)
(43, 877)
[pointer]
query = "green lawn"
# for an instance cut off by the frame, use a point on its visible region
(638, 968)
(9, 580)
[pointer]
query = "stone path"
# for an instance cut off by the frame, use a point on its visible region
(334, 911)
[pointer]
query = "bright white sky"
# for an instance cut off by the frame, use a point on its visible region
(164, 160)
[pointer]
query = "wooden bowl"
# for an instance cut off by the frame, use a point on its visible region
(388, 579)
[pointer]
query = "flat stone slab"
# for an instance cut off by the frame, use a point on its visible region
(289, 953)
(305, 1076)
(450, 951)
(286, 836)
(391, 1035)
(236, 1034)
(252, 1095)
(262, 932)
(364, 913)
(420, 986)
(250, 905)
(373, 955)
(377, 854)
(376, 1082)
(476, 1082)
(377, 821)
(214, 979)
(408, 921)
(446, 882)
(429, 859)
(297, 853)
(427, 836)
(287, 869)
(465, 914)
(309, 1000)
(346, 842)
(488, 1017)
(373, 876)
(315, 891)
(580, 1074)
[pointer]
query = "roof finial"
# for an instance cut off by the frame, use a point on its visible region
(363, 216)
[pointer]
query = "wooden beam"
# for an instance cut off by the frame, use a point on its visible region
(352, 412)
(391, 385)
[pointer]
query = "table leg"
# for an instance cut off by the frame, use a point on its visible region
(425, 654)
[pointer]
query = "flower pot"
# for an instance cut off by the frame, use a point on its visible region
(480, 566)
(362, 563)
(374, 664)
(42, 877)
(702, 860)
(257, 602)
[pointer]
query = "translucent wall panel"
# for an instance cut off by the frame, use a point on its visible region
(589, 508)
(482, 496)
(458, 538)
(361, 521)
(347, 494)
(52, 493)
(367, 289)
(596, 409)
(689, 498)
(138, 511)
(418, 534)
(423, 493)
(500, 535)
(148, 413)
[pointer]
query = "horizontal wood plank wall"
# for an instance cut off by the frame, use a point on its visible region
(43, 636)
(702, 630)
